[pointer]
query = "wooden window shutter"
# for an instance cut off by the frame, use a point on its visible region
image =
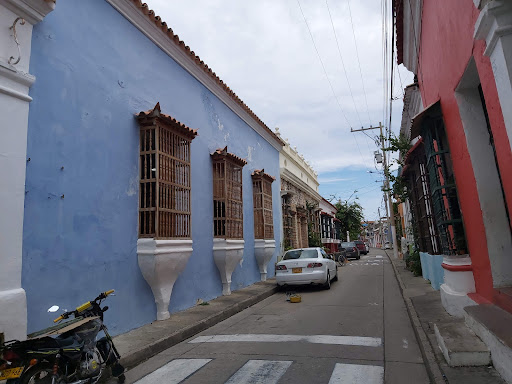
(227, 195)
(262, 197)
(165, 186)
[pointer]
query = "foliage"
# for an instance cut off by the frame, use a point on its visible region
(413, 263)
(350, 216)
(398, 223)
(401, 145)
(314, 239)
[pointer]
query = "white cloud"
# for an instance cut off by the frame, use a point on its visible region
(263, 51)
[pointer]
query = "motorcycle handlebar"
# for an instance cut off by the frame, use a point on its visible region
(102, 295)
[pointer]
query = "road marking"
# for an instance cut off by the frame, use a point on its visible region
(174, 372)
(379, 257)
(357, 374)
(260, 372)
(314, 339)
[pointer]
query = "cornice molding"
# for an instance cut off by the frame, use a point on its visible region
(290, 154)
(291, 178)
(24, 80)
(494, 22)
(133, 14)
(32, 11)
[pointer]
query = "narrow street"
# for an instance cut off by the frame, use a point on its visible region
(356, 332)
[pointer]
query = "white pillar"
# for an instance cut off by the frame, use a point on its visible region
(494, 24)
(15, 82)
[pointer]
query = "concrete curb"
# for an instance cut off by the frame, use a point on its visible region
(147, 351)
(433, 369)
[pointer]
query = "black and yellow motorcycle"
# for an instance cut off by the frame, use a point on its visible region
(68, 353)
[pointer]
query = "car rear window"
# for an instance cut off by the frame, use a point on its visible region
(346, 245)
(358, 242)
(301, 254)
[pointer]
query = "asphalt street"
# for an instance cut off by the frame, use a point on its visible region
(356, 332)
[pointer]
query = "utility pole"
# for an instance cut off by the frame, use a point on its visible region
(390, 215)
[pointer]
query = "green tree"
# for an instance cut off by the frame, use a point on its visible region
(350, 216)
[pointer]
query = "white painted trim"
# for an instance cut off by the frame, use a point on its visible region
(227, 253)
(16, 94)
(10, 72)
(497, 231)
(263, 252)
(293, 179)
(133, 14)
(161, 262)
(313, 339)
(13, 321)
(501, 354)
(32, 11)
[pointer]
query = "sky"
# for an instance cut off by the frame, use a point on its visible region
(281, 57)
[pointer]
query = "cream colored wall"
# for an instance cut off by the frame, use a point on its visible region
(291, 160)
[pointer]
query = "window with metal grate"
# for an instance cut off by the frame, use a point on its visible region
(165, 187)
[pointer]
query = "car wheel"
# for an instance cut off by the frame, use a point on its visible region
(327, 284)
(336, 276)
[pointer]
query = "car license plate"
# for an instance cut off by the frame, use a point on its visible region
(296, 270)
(11, 373)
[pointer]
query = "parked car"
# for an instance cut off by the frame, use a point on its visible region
(367, 245)
(387, 245)
(306, 266)
(351, 250)
(360, 245)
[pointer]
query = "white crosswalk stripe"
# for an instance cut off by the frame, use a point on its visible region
(314, 339)
(260, 372)
(357, 374)
(174, 372)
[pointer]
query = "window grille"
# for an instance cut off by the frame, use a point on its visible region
(426, 233)
(442, 185)
(164, 198)
(262, 197)
(287, 220)
(227, 195)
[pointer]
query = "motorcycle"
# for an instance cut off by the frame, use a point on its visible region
(68, 353)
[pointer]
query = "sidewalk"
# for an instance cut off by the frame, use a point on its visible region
(425, 309)
(142, 343)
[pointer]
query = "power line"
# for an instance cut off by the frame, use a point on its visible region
(323, 66)
(358, 62)
(342, 62)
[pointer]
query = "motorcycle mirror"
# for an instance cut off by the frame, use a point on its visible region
(54, 308)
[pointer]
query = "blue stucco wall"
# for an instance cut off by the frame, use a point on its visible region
(94, 72)
(431, 269)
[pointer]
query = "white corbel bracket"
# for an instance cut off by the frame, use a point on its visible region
(227, 253)
(161, 262)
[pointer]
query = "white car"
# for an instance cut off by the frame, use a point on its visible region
(306, 266)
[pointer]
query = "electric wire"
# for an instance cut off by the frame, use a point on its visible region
(343, 62)
(327, 76)
(323, 66)
(358, 61)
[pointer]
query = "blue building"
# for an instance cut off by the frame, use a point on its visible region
(147, 174)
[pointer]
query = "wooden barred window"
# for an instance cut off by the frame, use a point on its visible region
(262, 197)
(227, 195)
(164, 205)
